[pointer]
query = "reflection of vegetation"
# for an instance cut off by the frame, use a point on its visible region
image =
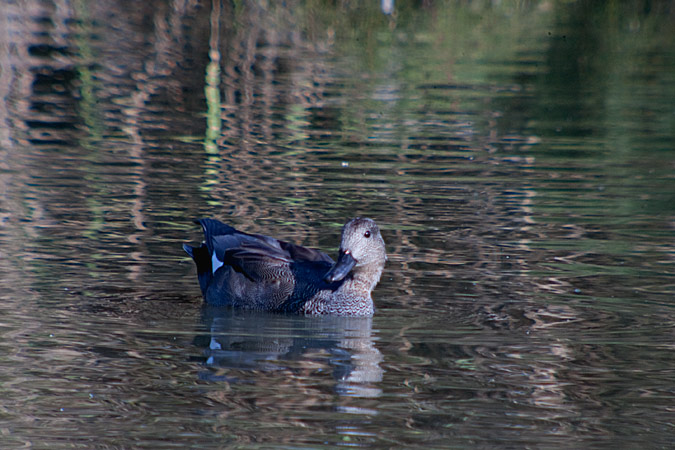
(213, 104)
(604, 72)
(89, 111)
(212, 84)
(292, 92)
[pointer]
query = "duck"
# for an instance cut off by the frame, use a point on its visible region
(257, 272)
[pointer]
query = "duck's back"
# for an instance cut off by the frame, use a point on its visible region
(257, 272)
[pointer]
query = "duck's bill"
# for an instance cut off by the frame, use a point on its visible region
(342, 267)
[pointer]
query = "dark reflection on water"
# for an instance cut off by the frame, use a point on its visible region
(258, 342)
(518, 158)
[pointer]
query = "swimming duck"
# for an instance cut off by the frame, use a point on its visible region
(257, 272)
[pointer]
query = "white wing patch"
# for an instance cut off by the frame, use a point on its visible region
(214, 345)
(215, 262)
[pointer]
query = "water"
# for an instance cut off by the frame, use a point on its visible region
(519, 161)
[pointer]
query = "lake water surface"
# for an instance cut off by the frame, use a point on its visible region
(519, 160)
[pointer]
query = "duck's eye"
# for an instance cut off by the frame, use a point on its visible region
(367, 234)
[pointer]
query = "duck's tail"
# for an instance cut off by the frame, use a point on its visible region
(204, 255)
(202, 259)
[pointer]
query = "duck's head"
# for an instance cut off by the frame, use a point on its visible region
(361, 248)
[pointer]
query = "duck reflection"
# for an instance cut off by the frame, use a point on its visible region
(245, 346)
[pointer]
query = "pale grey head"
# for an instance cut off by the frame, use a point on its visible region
(362, 252)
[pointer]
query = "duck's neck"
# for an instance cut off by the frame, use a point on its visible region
(364, 279)
(351, 298)
(354, 294)
(369, 275)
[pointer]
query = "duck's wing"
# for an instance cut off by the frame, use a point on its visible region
(262, 245)
(259, 257)
(258, 262)
(305, 254)
(262, 258)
